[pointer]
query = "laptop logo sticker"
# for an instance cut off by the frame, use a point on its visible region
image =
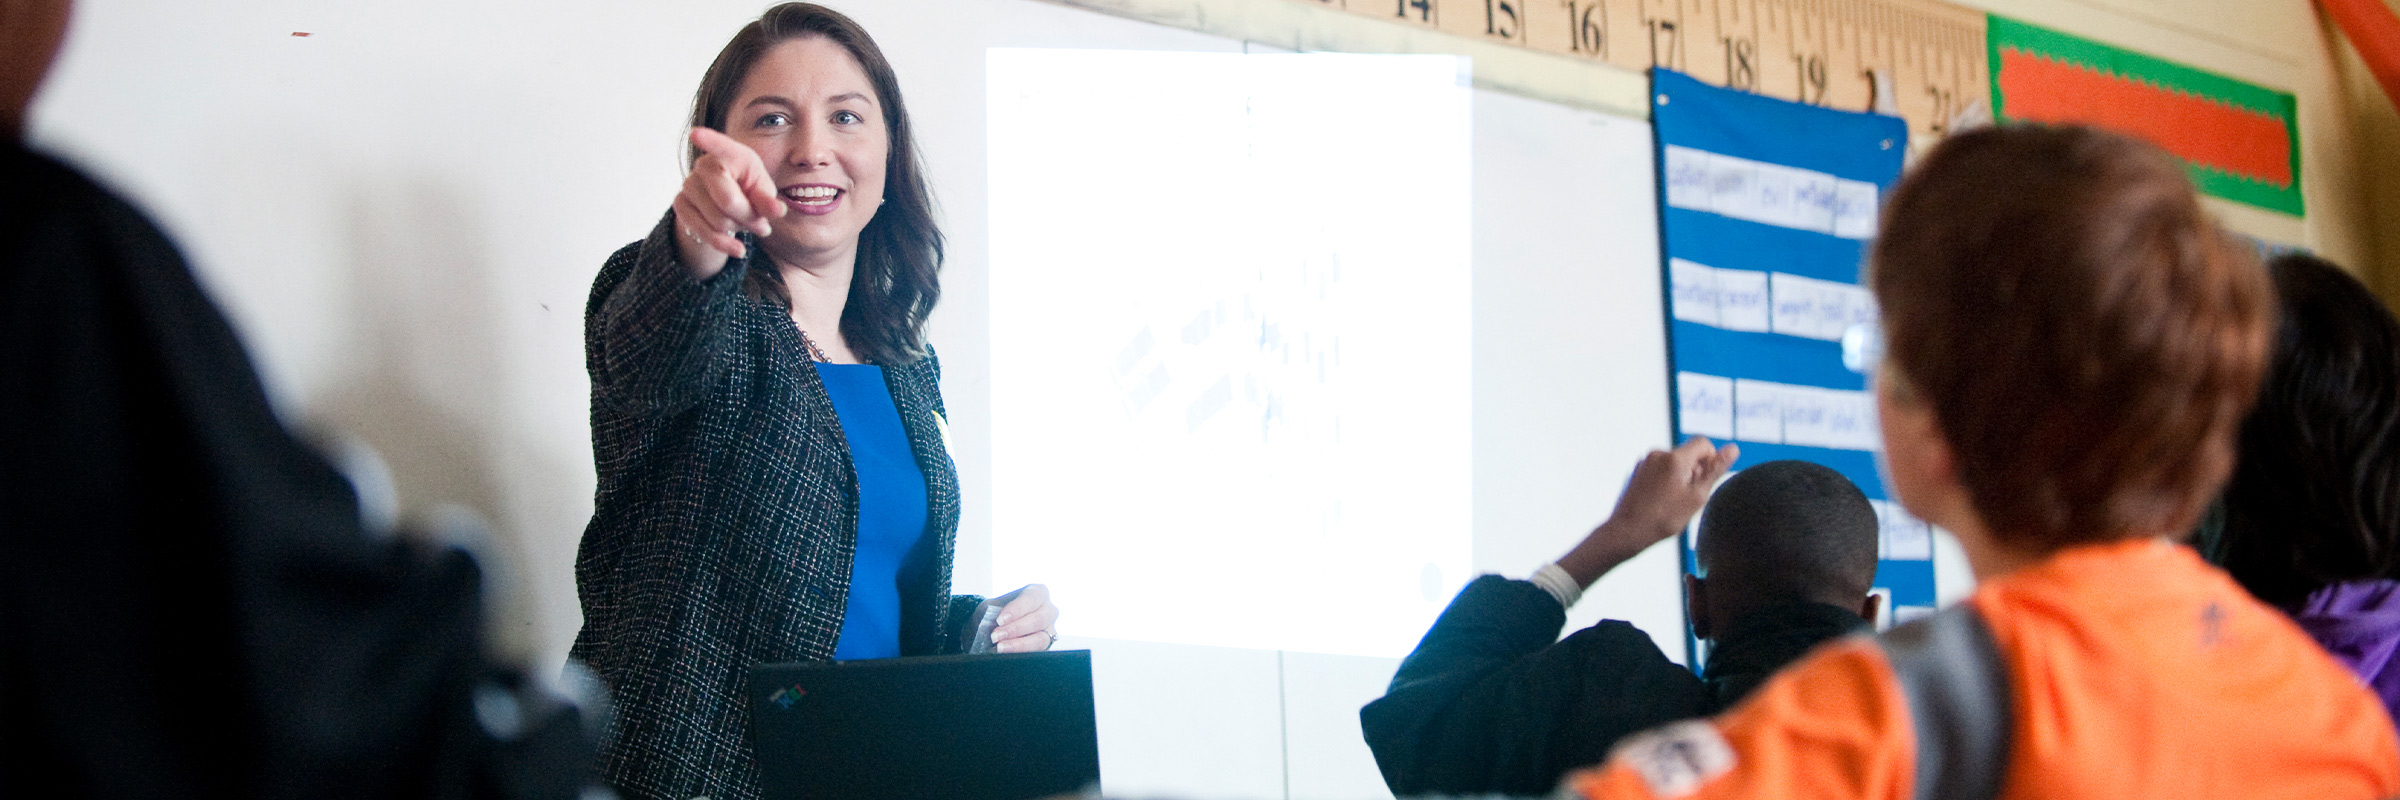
(785, 697)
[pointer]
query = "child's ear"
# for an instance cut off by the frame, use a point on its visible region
(1695, 604)
(1872, 606)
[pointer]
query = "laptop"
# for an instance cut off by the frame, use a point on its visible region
(970, 727)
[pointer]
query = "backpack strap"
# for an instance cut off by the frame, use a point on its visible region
(1959, 700)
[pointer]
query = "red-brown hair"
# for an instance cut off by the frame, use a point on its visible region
(2086, 336)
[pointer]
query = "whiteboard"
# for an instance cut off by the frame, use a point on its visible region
(1229, 322)
(1568, 379)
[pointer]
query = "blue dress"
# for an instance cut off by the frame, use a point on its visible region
(891, 509)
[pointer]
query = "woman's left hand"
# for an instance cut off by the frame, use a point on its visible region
(1028, 623)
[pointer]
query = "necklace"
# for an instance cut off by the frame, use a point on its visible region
(814, 354)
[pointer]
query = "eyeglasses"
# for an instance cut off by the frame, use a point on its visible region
(1862, 347)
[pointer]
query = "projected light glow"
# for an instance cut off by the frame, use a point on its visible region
(1229, 333)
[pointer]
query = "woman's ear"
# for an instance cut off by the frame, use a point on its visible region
(1695, 604)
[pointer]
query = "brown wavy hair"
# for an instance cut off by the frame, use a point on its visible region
(2086, 336)
(898, 275)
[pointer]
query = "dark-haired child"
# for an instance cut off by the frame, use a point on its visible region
(1493, 701)
(2312, 513)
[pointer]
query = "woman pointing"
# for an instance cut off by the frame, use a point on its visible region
(767, 416)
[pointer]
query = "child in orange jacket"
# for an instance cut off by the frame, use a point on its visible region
(2073, 343)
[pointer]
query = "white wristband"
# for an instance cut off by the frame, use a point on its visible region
(1554, 579)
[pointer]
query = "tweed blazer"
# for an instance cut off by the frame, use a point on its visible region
(726, 519)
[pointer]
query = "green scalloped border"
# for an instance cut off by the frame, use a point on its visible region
(2002, 32)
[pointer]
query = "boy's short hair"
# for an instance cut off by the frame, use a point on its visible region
(2086, 336)
(1789, 530)
(2315, 498)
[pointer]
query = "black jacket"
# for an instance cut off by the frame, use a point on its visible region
(1490, 703)
(188, 604)
(726, 518)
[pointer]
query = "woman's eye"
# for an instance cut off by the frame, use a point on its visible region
(772, 120)
(847, 118)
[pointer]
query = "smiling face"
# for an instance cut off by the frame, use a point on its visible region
(812, 115)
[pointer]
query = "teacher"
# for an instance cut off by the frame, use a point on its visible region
(766, 414)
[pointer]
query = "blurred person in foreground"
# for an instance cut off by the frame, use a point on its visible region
(1493, 701)
(189, 604)
(2073, 344)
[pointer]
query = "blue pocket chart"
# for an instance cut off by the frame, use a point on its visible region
(1766, 207)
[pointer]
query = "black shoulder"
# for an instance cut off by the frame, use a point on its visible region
(59, 228)
(1630, 652)
(1619, 634)
(65, 209)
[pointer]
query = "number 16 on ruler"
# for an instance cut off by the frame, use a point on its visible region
(1586, 35)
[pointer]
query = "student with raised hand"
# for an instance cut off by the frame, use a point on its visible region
(774, 482)
(2072, 346)
(1492, 700)
(2312, 513)
(1787, 562)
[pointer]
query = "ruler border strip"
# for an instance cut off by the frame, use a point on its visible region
(1301, 27)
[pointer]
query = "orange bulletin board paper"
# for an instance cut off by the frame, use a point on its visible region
(2239, 140)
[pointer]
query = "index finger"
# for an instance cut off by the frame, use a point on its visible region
(1725, 457)
(716, 143)
(1034, 620)
(750, 171)
(1704, 460)
(1027, 600)
(1695, 450)
(1713, 466)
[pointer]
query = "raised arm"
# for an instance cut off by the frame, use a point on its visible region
(659, 312)
(1667, 488)
(1489, 703)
